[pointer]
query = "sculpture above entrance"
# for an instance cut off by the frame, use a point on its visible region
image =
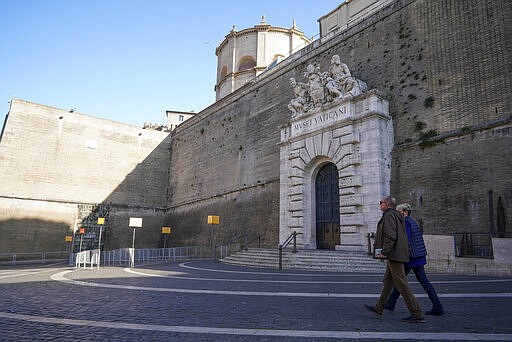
(336, 84)
(335, 159)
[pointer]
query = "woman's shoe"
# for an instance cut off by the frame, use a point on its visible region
(389, 306)
(435, 312)
(412, 319)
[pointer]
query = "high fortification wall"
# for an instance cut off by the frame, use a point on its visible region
(444, 67)
(53, 160)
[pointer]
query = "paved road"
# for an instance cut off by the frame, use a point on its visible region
(206, 301)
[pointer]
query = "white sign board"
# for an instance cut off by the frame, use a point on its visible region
(135, 222)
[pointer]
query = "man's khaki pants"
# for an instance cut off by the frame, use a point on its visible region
(395, 276)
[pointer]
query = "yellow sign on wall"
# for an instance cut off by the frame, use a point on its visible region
(101, 220)
(166, 230)
(213, 219)
(68, 238)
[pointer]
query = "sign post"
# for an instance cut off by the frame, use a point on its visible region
(69, 238)
(82, 232)
(135, 222)
(101, 222)
(213, 220)
(166, 231)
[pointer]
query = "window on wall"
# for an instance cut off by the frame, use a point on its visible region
(277, 59)
(223, 72)
(181, 118)
(246, 63)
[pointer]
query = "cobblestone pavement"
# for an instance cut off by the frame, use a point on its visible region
(207, 301)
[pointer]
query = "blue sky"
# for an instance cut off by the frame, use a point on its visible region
(128, 60)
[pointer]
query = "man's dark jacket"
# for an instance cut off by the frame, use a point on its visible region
(392, 237)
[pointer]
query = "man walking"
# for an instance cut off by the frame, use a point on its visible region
(391, 238)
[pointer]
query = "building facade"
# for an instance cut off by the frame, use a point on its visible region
(245, 54)
(176, 118)
(432, 128)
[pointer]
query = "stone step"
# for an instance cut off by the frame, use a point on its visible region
(335, 261)
(301, 259)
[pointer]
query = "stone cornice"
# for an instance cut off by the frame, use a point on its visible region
(260, 28)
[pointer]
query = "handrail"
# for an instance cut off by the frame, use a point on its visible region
(230, 241)
(292, 237)
(235, 239)
(222, 244)
(258, 237)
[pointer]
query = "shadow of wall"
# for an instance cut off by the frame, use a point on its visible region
(141, 194)
(246, 215)
(33, 235)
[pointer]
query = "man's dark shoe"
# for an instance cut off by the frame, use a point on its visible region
(373, 309)
(412, 319)
(389, 306)
(435, 312)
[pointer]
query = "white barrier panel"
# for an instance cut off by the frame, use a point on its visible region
(88, 258)
(128, 256)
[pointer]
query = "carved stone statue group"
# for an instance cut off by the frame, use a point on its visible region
(324, 87)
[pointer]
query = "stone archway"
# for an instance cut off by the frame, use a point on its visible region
(355, 134)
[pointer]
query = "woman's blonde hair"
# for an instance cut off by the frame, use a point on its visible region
(404, 207)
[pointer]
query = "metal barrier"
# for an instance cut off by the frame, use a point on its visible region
(33, 258)
(475, 245)
(369, 244)
(128, 256)
(88, 258)
(224, 250)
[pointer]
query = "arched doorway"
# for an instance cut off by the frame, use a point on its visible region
(327, 207)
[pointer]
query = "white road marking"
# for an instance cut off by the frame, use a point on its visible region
(129, 270)
(61, 277)
(24, 272)
(262, 332)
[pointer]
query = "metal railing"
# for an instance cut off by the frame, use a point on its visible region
(88, 258)
(128, 256)
(369, 238)
(246, 244)
(226, 246)
(33, 258)
(476, 245)
(292, 237)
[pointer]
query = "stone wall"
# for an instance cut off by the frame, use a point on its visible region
(52, 160)
(225, 162)
(443, 66)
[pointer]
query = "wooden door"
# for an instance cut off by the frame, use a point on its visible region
(327, 207)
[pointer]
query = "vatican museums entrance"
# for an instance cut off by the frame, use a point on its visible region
(327, 207)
